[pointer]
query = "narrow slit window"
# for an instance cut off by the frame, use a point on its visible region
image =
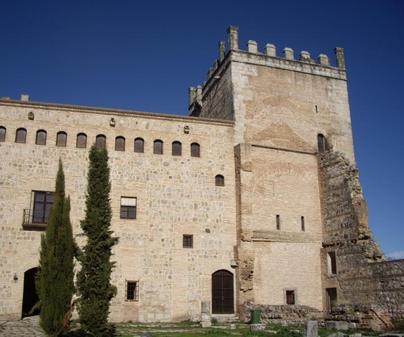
(176, 149)
(278, 222)
(40, 137)
(139, 145)
(332, 263)
(81, 141)
(61, 138)
(120, 143)
(322, 143)
(302, 223)
(21, 135)
(2, 134)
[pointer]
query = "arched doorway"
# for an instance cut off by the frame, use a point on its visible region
(30, 297)
(222, 292)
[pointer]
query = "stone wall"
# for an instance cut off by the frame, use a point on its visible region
(176, 195)
(280, 105)
(369, 288)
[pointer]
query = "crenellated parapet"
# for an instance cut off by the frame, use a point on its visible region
(270, 57)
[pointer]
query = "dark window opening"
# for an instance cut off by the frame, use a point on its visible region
(331, 298)
(290, 297)
(43, 202)
(219, 180)
(61, 138)
(332, 263)
(139, 145)
(30, 296)
(40, 137)
(132, 290)
(187, 241)
(158, 147)
(195, 150)
(278, 222)
(322, 143)
(100, 142)
(303, 225)
(176, 148)
(128, 208)
(21, 135)
(2, 134)
(81, 141)
(120, 143)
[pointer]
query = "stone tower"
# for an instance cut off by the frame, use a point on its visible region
(300, 209)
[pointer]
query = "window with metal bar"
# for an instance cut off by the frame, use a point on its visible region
(132, 290)
(187, 241)
(290, 297)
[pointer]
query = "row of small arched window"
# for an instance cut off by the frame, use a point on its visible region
(101, 141)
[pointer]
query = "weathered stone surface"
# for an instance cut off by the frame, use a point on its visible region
(338, 325)
(311, 329)
(257, 327)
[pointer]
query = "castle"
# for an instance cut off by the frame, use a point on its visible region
(252, 200)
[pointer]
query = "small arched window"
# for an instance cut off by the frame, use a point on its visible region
(158, 146)
(176, 148)
(139, 145)
(100, 142)
(61, 138)
(219, 180)
(81, 140)
(195, 150)
(120, 143)
(2, 134)
(21, 135)
(322, 143)
(40, 137)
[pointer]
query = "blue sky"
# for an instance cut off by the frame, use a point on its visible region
(144, 55)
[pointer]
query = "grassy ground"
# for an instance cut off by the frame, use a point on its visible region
(189, 329)
(194, 330)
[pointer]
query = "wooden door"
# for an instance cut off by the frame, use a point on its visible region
(222, 292)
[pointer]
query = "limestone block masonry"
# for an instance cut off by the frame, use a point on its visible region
(286, 232)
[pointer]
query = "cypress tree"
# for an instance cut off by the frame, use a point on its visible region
(93, 280)
(54, 282)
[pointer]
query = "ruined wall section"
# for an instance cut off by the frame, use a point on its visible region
(364, 279)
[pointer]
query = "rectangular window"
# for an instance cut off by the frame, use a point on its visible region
(132, 290)
(128, 208)
(43, 202)
(278, 222)
(290, 297)
(187, 241)
(331, 298)
(332, 263)
(303, 225)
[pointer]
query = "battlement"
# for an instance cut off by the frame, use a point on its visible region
(231, 52)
